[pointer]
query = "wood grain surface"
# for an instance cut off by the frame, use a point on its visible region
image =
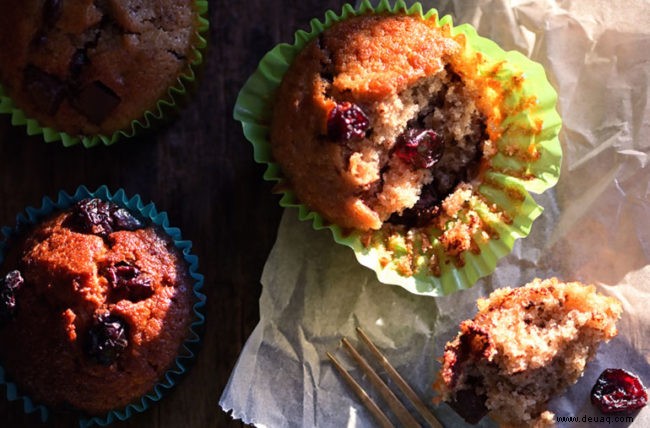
(200, 170)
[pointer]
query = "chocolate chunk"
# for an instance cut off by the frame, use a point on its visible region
(424, 210)
(77, 62)
(45, 90)
(40, 38)
(95, 101)
(469, 405)
(51, 12)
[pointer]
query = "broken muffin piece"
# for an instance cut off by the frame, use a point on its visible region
(524, 346)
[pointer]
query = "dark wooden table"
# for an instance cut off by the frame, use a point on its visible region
(200, 170)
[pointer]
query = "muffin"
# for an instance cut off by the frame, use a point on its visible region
(524, 346)
(98, 303)
(374, 124)
(89, 68)
(414, 141)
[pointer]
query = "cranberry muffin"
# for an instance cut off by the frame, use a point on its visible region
(375, 124)
(524, 346)
(96, 304)
(92, 67)
(415, 141)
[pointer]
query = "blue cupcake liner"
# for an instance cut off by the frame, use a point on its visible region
(186, 354)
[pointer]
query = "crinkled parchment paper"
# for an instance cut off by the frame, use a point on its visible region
(595, 228)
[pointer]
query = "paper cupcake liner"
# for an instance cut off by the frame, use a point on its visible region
(187, 352)
(528, 154)
(169, 102)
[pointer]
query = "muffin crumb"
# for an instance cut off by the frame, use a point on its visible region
(524, 346)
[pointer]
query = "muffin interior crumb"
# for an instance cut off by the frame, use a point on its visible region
(394, 189)
(523, 347)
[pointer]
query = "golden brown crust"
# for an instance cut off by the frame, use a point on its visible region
(136, 48)
(392, 67)
(65, 288)
(376, 56)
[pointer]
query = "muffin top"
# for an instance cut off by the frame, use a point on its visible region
(90, 67)
(101, 305)
(375, 122)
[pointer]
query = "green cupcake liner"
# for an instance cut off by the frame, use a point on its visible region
(187, 352)
(168, 102)
(528, 158)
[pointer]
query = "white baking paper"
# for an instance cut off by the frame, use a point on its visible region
(595, 228)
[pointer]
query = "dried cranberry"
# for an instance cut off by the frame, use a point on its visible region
(617, 390)
(127, 280)
(93, 216)
(470, 405)
(107, 338)
(8, 286)
(420, 148)
(124, 220)
(346, 121)
(102, 218)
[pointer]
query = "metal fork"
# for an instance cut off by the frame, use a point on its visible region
(405, 418)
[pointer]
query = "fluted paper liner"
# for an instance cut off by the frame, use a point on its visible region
(528, 154)
(168, 103)
(186, 353)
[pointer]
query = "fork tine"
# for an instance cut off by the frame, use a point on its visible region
(401, 383)
(393, 402)
(379, 416)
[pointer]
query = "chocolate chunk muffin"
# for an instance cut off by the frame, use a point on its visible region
(374, 122)
(524, 346)
(88, 67)
(96, 304)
